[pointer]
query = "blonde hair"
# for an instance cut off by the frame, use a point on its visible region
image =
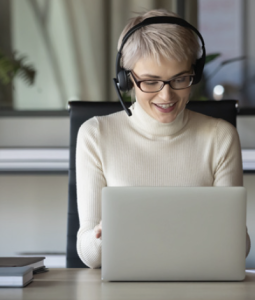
(156, 40)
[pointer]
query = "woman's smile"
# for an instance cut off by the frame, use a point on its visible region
(165, 108)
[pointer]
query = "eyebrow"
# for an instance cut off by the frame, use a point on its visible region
(158, 77)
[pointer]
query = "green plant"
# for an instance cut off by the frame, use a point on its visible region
(126, 96)
(10, 67)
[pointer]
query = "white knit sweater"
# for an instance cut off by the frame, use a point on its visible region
(117, 150)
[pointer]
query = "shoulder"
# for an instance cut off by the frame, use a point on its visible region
(220, 130)
(97, 124)
(204, 121)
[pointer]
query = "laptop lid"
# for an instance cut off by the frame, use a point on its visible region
(173, 233)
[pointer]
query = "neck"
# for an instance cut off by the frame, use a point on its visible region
(153, 127)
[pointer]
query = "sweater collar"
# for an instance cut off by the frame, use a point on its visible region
(153, 127)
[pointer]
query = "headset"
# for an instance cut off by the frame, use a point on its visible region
(122, 82)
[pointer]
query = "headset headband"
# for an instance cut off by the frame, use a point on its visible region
(156, 20)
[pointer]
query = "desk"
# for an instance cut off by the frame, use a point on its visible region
(83, 284)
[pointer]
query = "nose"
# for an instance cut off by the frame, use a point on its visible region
(166, 93)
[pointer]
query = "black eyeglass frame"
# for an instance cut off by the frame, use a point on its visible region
(138, 82)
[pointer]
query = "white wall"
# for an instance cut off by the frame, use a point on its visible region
(34, 131)
(246, 127)
(33, 214)
(33, 208)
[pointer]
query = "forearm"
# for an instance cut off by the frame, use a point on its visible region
(89, 248)
(90, 180)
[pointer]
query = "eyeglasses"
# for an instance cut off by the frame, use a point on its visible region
(153, 86)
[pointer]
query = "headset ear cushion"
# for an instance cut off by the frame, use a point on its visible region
(123, 80)
(125, 83)
(198, 69)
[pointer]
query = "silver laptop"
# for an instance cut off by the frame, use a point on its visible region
(173, 233)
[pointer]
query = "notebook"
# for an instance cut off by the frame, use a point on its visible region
(173, 233)
(18, 261)
(15, 276)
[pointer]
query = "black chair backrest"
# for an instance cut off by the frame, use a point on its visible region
(224, 109)
(80, 111)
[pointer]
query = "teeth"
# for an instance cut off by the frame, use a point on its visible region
(165, 105)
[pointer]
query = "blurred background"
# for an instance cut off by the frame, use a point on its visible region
(71, 47)
(53, 51)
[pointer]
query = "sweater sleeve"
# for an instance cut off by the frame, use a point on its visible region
(229, 171)
(90, 181)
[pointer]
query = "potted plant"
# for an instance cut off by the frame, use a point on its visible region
(11, 67)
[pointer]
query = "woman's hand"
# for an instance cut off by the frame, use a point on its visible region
(98, 230)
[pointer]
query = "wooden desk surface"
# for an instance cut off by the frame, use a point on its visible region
(69, 284)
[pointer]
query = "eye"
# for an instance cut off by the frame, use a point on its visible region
(151, 82)
(180, 79)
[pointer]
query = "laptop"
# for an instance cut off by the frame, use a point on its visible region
(173, 233)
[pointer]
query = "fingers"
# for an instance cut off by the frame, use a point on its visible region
(98, 230)
(98, 233)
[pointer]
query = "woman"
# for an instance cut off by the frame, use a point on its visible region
(162, 143)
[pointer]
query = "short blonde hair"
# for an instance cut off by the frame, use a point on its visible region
(156, 40)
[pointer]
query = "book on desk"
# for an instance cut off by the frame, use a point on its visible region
(19, 271)
(15, 276)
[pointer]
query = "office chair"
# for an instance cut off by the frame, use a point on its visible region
(80, 111)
